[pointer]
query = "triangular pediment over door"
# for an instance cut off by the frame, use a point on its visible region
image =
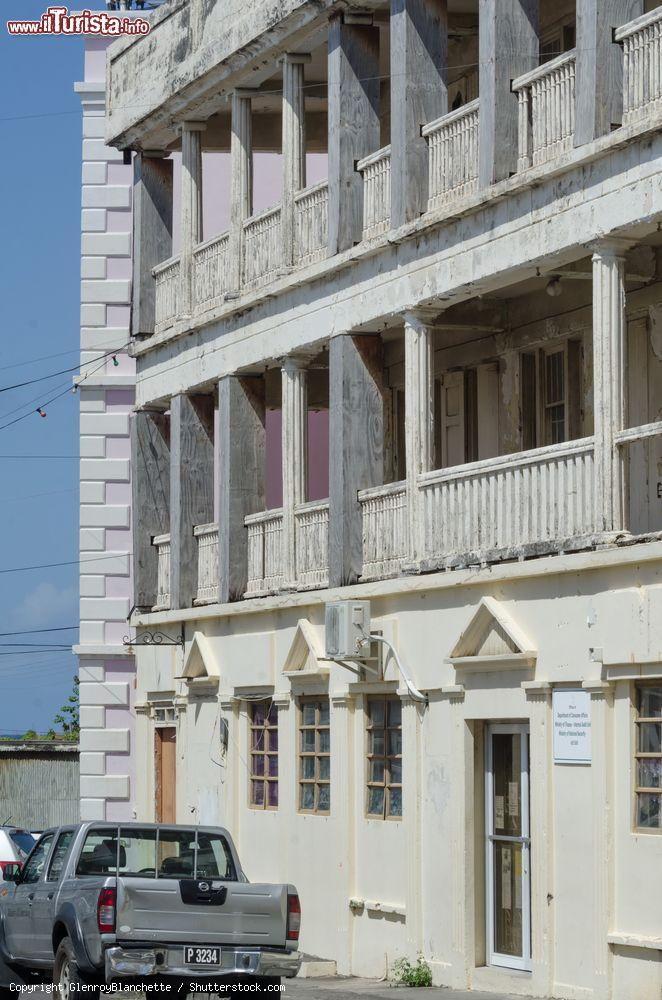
(492, 640)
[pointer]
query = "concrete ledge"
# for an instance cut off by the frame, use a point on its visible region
(623, 940)
(317, 968)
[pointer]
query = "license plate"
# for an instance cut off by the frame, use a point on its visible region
(201, 955)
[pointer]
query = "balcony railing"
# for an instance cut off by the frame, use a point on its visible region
(376, 172)
(546, 98)
(210, 272)
(452, 155)
(509, 502)
(384, 512)
(162, 544)
(263, 252)
(312, 543)
(642, 65)
(311, 220)
(166, 277)
(265, 552)
(207, 536)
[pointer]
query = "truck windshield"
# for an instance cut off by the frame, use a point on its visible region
(156, 853)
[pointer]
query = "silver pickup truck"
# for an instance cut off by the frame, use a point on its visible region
(102, 903)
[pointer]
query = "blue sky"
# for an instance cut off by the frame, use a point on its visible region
(40, 168)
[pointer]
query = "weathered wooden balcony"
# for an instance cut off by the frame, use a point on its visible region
(376, 172)
(311, 216)
(266, 557)
(265, 552)
(210, 272)
(503, 504)
(384, 513)
(452, 155)
(642, 65)
(162, 544)
(546, 100)
(166, 277)
(311, 523)
(262, 251)
(207, 536)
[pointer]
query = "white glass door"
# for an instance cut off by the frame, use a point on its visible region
(508, 846)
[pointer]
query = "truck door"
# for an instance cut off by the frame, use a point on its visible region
(17, 904)
(44, 897)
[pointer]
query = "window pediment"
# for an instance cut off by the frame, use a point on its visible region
(306, 654)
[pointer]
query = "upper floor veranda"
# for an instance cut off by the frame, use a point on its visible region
(417, 121)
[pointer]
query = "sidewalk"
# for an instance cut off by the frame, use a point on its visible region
(340, 988)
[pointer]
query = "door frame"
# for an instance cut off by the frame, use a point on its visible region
(159, 798)
(522, 963)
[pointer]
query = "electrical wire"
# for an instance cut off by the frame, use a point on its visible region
(66, 371)
(38, 631)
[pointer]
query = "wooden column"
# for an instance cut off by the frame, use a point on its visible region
(191, 209)
(241, 182)
(294, 429)
(191, 489)
(419, 61)
(419, 420)
(609, 382)
(356, 446)
(241, 471)
(152, 233)
(293, 146)
(353, 123)
(599, 68)
(150, 477)
(508, 47)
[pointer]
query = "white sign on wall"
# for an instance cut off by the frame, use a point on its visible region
(571, 710)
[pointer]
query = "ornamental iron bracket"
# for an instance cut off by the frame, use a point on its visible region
(154, 639)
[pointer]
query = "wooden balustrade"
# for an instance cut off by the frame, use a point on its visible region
(509, 502)
(452, 155)
(384, 512)
(312, 543)
(546, 101)
(162, 544)
(263, 252)
(376, 172)
(642, 65)
(265, 552)
(166, 277)
(311, 219)
(210, 272)
(207, 536)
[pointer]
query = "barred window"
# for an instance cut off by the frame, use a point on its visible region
(384, 758)
(314, 756)
(648, 757)
(263, 750)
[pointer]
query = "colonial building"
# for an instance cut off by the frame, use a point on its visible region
(431, 381)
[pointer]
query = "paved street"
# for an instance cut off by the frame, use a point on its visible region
(361, 989)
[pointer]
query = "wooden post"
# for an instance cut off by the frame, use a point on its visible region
(152, 233)
(191, 210)
(294, 147)
(419, 421)
(599, 69)
(150, 475)
(191, 489)
(241, 471)
(241, 184)
(609, 382)
(356, 446)
(508, 47)
(353, 123)
(294, 429)
(419, 94)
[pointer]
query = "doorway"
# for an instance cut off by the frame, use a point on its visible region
(165, 770)
(508, 847)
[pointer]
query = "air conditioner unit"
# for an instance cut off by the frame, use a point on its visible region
(347, 623)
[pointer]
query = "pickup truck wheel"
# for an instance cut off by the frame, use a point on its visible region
(67, 980)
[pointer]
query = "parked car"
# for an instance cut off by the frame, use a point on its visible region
(101, 903)
(15, 845)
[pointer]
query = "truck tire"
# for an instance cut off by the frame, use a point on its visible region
(68, 983)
